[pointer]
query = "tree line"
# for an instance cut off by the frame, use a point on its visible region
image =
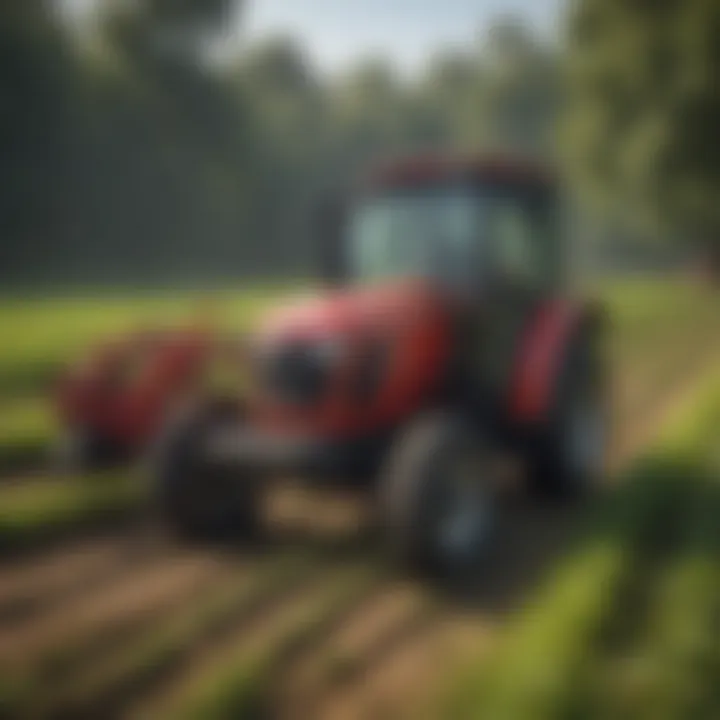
(129, 153)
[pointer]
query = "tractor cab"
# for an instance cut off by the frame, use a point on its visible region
(465, 226)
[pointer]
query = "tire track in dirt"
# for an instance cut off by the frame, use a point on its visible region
(275, 627)
(385, 621)
(40, 583)
(113, 608)
(142, 661)
(638, 419)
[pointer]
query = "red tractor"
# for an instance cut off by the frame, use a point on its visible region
(452, 337)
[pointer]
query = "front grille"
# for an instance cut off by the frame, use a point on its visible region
(294, 374)
(370, 370)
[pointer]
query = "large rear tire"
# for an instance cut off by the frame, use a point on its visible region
(202, 497)
(568, 456)
(437, 496)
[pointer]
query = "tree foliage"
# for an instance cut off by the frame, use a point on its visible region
(640, 133)
(128, 158)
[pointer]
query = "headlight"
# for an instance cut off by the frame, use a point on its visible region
(371, 369)
(329, 351)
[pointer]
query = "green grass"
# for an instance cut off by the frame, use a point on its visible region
(671, 671)
(27, 427)
(551, 652)
(41, 335)
(35, 511)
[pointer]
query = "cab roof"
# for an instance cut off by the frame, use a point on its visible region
(431, 168)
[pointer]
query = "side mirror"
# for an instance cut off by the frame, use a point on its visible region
(330, 223)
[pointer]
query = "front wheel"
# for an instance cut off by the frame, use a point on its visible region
(81, 450)
(438, 496)
(202, 497)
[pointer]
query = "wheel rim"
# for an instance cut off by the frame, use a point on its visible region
(466, 514)
(586, 441)
(72, 449)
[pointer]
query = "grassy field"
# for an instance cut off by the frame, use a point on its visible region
(41, 335)
(97, 616)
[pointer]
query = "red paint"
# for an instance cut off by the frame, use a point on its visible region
(130, 409)
(540, 355)
(408, 318)
(432, 168)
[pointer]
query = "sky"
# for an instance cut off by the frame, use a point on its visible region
(337, 32)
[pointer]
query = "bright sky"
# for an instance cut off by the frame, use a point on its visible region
(338, 31)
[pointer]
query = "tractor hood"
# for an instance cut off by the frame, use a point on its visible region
(384, 308)
(345, 363)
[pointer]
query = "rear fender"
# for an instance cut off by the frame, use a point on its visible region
(540, 355)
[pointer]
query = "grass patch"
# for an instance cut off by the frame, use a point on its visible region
(670, 672)
(26, 430)
(35, 512)
(41, 335)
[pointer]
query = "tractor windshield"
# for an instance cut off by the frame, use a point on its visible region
(423, 233)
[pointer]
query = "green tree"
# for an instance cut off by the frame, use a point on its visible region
(130, 153)
(640, 131)
(520, 90)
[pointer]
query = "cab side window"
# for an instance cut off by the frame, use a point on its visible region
(522, 248)
(513, 239)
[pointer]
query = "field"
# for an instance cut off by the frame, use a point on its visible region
(605, 611)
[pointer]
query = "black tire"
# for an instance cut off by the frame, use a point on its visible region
(202, 498)
(82, 450)
(419, 492)
(580, 408)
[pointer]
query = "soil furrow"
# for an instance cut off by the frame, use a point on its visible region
(29, 590)
(111, 609)
(148, 659)
(344, 669)
(249, 643)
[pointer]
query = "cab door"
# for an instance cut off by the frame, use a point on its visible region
(523, 266)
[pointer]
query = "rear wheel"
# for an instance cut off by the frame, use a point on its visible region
(568, 456)
(202, 496)
(438, 497)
